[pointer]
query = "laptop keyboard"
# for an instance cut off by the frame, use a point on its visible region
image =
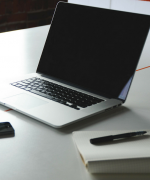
(57, 93)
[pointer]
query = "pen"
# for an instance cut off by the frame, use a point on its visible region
(118, 136)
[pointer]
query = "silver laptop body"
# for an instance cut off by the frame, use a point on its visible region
(90, 52)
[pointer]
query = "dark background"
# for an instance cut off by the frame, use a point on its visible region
(21, 14)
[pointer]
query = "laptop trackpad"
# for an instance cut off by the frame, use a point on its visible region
(24, 101)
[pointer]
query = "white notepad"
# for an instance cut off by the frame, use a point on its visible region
(130, 155)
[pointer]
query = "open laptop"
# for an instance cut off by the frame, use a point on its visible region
(86, 67)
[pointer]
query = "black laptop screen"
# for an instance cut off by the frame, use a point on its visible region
(94, 49)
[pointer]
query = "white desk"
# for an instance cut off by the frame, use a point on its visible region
(40, 152)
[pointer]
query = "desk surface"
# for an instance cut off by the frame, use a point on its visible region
(39, 151)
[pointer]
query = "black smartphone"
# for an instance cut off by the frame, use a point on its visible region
(6, 129)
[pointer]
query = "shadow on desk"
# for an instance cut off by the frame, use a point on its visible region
(87, 122)
(114, 118)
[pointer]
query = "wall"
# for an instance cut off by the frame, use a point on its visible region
(96, 3)
(137, 6)
(20, 14)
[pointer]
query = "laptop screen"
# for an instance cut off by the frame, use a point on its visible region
(95, 49)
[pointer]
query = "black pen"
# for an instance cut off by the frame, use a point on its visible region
(118, 136)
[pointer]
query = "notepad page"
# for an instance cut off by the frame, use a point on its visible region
(137, 147)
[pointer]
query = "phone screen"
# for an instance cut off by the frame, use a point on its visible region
(6, 129)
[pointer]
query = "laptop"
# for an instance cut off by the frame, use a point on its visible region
(86, 67)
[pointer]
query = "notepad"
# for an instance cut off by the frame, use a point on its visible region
(130, 155)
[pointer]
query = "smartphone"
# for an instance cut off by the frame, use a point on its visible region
(6, 129)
